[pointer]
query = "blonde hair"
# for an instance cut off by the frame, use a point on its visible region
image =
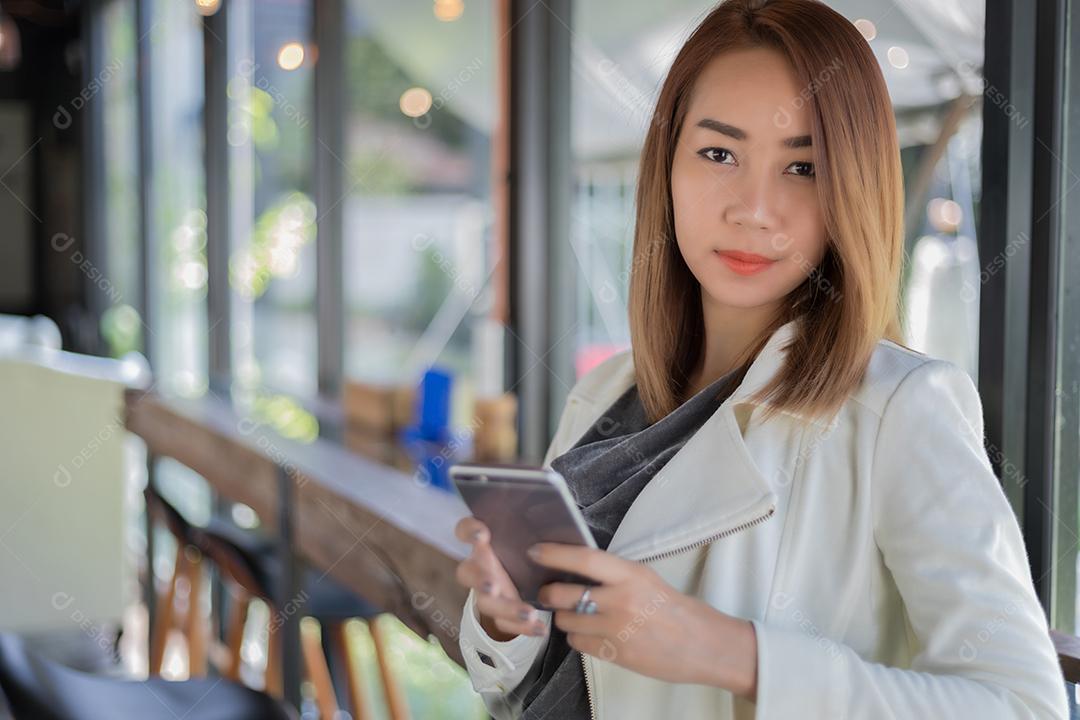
(851, 300)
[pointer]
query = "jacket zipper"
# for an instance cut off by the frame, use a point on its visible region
(588, 688)
(730, 531)
(667, 554)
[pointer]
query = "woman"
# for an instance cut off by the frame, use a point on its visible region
(796, 513)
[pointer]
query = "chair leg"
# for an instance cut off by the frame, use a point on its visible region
(275, 684)
(238, 611)
(164, 617)
(395, 698)
(353, 672)
(319, 673)
(197, 625)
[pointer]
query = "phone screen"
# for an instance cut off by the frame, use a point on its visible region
(519, 513)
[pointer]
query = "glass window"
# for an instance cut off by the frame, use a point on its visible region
(177, 281)
(418, 250)
(178, 336)
(620, 56)
(121, 323)
(271, 129)
(932, 59)
(1065, 591)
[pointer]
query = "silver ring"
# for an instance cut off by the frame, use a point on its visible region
(585, 606)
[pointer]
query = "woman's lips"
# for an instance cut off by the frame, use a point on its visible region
(744, 263)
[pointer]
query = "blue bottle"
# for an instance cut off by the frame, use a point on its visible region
(428, 440)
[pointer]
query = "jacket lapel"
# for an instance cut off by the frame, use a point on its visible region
(709, 487)
(713, 484)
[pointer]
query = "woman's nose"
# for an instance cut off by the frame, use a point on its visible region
(752, 204)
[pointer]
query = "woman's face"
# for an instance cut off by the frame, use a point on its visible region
(741, 184)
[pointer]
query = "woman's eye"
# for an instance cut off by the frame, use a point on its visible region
(714, 153)
(808, 169)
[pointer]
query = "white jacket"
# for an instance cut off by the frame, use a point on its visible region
(876, 555)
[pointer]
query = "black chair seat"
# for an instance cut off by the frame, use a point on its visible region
(37, 688)
(324, 598)
(252, 558)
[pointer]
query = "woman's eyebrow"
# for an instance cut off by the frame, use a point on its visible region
(799, 141)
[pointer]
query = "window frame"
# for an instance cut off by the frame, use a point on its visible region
(1032, 431)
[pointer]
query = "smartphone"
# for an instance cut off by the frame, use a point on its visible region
(523, 505)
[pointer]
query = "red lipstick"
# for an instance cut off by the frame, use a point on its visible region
(744, 263)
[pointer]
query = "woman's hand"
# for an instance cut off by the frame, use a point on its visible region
(503, 614)
(645, 625)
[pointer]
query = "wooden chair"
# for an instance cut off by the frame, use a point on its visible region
(250, 570)
(184, 588)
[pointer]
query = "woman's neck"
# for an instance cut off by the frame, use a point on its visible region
(729, 332)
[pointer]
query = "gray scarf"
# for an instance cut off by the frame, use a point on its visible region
(605, 470)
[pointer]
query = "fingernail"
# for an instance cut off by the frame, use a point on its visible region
(525, 613)
(533, 552)
(488, 587)
(476, 535)
(539, 628)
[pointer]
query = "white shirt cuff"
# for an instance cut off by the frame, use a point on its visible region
(493, 665)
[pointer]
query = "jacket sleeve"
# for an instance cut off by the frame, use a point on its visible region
(502, 672)
(953, 545)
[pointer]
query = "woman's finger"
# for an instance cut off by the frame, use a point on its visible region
(486, 567)
(512, 616)
(598, 565)
(486, 559)
(471, 530)
(536, 628)
(473, 574)
(484, 573)
(565, 596)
